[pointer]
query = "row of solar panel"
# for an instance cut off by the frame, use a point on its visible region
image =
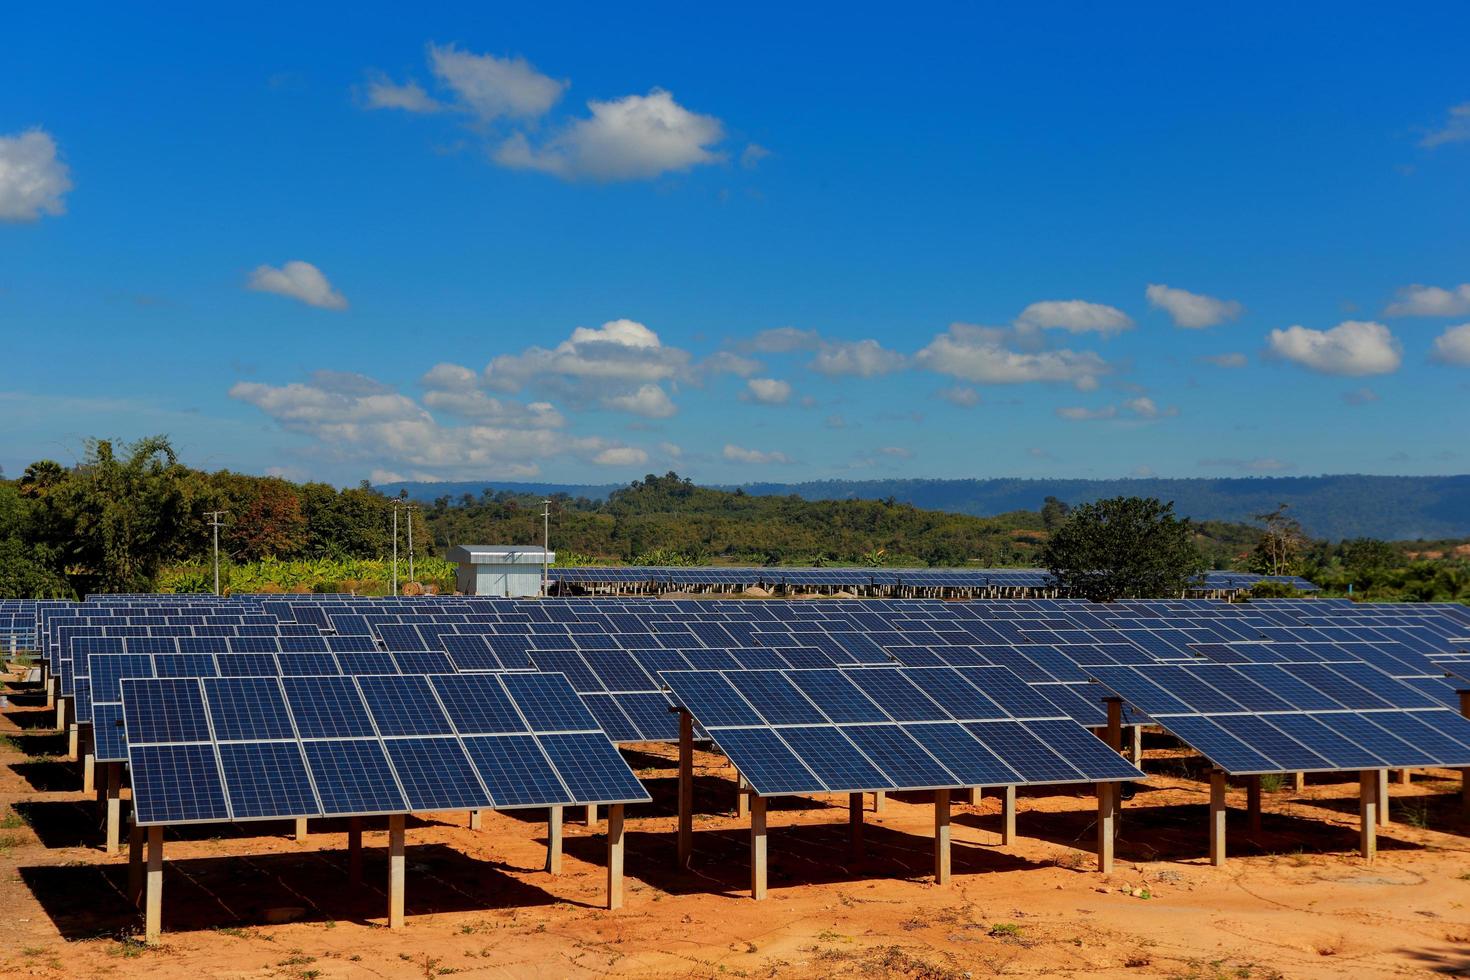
(250, 748)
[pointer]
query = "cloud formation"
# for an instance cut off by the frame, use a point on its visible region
(1352, 348)
(1075, 316)
(637, 137)
(649, 401)
(1419, 300)
(1456, 128)
(1193, 311)
(1453, 346)
(962, 395)
(767, 391)
(621, 456)
(300, 281)
(493, 88)
(33, 179)
(980, 354)
(739, 454)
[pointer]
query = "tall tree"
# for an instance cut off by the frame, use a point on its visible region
(1281, 543)
(1123, 548)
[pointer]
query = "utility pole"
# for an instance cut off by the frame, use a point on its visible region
(214, 522)
(545, 546)
(409, 508)
(395, 545)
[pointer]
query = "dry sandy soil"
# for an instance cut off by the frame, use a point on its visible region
(249, 902)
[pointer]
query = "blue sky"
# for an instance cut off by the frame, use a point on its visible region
(593, 242)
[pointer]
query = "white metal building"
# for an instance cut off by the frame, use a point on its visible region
(499, 569)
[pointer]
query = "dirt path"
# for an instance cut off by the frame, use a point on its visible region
(249, 902)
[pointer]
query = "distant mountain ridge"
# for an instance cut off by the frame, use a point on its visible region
(1333, 507)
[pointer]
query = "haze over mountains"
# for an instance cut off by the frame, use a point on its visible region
(1333, 507)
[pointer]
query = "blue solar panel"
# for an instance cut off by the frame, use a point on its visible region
(1218, 745)
(1287, 753)
(423, 662)
(109, 740)
(436, 774)
(1024, 752)
(327, 707)
(767, 763)
(591, 768)
(515, 771)
(477, 704)
(899, 699)
(901, 757)
(776, 698)
(247, 709)
(1361, 730)
(839, 698)
(971, 763)
(650, 713)
(266, 779)
(176, 784)
(1338, 748)
(353, 777)
(247, 665)
(1086, 753)
(548, 703)
(712, 699)
(834, 759)
(403, 705)
(164, 711)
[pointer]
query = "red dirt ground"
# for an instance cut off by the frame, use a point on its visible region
(249, 902)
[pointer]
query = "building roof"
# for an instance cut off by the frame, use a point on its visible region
(500, 554)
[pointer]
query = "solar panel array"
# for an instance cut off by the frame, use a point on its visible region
(253, 748)
(876, 728)
(1253, 718)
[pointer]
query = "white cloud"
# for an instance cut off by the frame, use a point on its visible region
(782, 340)
(1147, 408)
(752, 155)
(621, 456)
(1419, 300)
(961, 395)
(384, 93)
(298, 280)
(767, 391)
(1360, 396)
(1080, 414)
(1231, 360)
(1453, 346)
(1192, 310)
(356, 420)
(32, 179)
(977, 354)
(897, 452)
(619, 352)
(450, 377)
(672, 449)
(480, 407)
(1352, 348)
(739, 454)
(637, 137)
(1075, 316)
(1261, 464)
(726, 362)
(492, 87)
(859, 358)
(1455, 130)
(648, 400)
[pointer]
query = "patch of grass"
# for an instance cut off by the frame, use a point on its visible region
(128, 947)
(1005, 930)
(9, 842)
(1414, 814)
(1272, 782)
(12, 821)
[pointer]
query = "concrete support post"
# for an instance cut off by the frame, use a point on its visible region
(135, 864)
(553, 840)
(51, 697)
(591, 814)
(686, 788)
(1299, 781)
(1135, 744)
(354, 850)
(742, 799)
(757, 847)
(941, 837)
(60, 709)
(1253, 802)
(1008, 815)
(73, 740)
(300, 832)
(1405, 777)
(89, 766)
(114, 806)
(1114, 738)
(397, 865)
(153, 912)
(973, 796)
(1368, 814)
(1106, 815)
(855, 824)
(1465, 773)
(879, 799)
(1217, 818)
(615, 856)
(477, 819)
(1381, 796)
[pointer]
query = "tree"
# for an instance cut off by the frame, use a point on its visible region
(1054, 512)
(1281, 543)
(1123, 548)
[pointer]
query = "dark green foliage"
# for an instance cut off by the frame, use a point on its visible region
(1123, 548)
